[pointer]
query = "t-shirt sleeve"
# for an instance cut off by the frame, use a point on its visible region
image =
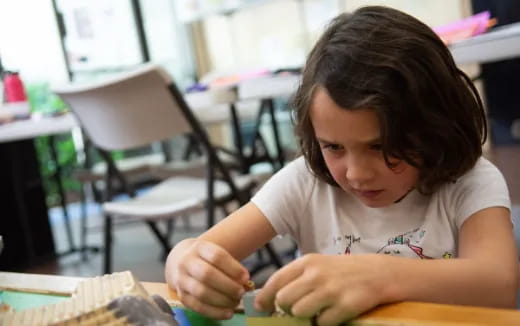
(483, 187)
(283, 198)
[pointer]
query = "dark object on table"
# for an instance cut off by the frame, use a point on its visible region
(140, 311)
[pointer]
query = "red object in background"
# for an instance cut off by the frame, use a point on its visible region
(13, 88)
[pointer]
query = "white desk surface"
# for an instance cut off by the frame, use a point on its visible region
(36, 126)
(501, 43)
(251, 89)
(268, 87)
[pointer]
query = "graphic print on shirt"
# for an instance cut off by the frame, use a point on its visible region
(346, 241)
(406, 245)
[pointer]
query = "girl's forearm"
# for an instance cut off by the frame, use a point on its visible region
(452, 281)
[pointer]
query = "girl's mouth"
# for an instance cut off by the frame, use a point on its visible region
(369, 194)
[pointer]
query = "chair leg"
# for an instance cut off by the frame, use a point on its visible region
(107, 268)
(260, 255)
(186, 221)
(224, 210)
(261, 264)
(276, 133)
(210, 201)
(83, 224)
(273, 255)
(170, 227)
(163, 240)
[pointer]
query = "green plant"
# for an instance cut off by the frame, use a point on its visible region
(67, 161)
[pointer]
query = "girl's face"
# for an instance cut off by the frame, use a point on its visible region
(351, 146)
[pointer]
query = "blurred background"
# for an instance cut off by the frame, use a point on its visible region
(50, 42)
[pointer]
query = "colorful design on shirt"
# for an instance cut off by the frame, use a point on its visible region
(418, 251)
(406, 244)
(447, 255)
(348, 239)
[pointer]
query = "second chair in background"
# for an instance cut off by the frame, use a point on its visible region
(139, 108)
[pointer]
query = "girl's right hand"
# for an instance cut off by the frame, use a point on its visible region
(207, 278)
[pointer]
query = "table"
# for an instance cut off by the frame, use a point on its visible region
(219, 105)
(20, 165)
(266, 89)
(501, 43)
(403, 314)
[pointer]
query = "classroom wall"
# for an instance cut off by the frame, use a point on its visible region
(29, 40)
(267, 35)
(280, 33)
(431, 12)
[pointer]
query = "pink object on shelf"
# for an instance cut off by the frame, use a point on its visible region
(234, 79)
(465, 28)
(13, 87)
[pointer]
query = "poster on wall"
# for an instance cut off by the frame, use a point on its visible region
(191, 10)
(100, 35)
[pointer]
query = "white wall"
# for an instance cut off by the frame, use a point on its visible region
(29, 40)
(273, 34)
(267, 35)
(431, 12)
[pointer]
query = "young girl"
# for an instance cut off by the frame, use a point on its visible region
(391, 199)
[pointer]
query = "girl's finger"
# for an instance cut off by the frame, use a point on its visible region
(207, 295)
(311, 304)
(265, 299)
(214, 278)
(334, 315)
(223, 261)
(292, 292)
(205, 309)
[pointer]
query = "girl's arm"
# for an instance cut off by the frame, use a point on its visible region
(486, 272)
(242, 232)
(206, 272)
(341, 287)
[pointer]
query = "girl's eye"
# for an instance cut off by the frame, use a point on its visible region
(376, 147)
(332, 147)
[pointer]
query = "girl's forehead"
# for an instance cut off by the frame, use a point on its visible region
(327, 116)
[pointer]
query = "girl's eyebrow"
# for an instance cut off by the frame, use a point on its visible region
(321, 140)
(374, 140)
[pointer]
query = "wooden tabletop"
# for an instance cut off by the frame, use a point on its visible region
(402, 314)
(406, 313)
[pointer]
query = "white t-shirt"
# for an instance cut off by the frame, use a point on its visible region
(325, 219)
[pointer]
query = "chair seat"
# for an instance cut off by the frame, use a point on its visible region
(174, 196)
(194, 168)
(130, 167)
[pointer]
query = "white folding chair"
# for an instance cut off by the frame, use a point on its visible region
(136, 109)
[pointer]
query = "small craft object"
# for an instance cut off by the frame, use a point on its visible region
(262, 318)
(116, 299)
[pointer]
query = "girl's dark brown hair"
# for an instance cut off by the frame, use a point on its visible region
(379, 58)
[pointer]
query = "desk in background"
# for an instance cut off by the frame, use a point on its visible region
(219, 105)
(501, 43)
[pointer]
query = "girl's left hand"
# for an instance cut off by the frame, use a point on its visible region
(336, 288)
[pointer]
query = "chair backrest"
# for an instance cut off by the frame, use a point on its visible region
(128, 111)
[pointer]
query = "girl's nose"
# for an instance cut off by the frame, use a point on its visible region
(358, 171)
